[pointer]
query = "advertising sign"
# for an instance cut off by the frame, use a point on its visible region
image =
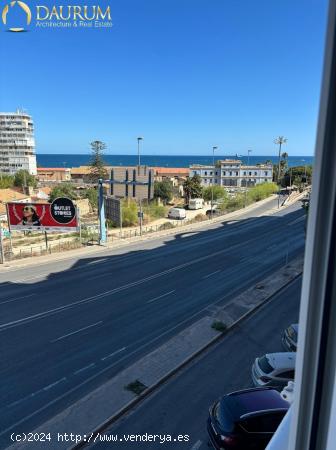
(60, 215)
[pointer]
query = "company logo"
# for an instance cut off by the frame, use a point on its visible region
(70, 16)
(23, 6)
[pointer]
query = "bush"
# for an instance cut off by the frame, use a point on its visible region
(262, 191)
(6, 181)
(154, 211)
(166, 226)
(218, 193)
(63, 190)
(129, 213)
(92, 195)
(200, 218)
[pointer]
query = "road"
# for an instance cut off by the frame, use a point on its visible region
(68, 326)
(181, 406)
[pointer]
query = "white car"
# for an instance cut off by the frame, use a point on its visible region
(274, 369)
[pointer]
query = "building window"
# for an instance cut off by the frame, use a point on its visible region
(266, 173)
(255, 173)
(230, 174)
(205, 173)
(237, 174)
(250, 173)
(224, 173)
(244, 173)
(210, 173)
(205, 181)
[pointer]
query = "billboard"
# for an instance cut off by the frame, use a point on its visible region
(60, 215)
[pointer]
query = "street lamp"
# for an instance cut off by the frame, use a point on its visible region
(279, 141)
(212, 182)
(248, 163)
(139, 139)
(140, 201)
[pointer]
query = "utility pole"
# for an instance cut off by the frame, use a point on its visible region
(279, 141)
(2, 255)
(248, 163)
(213, 179)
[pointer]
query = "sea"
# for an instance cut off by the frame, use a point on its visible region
(68, 160)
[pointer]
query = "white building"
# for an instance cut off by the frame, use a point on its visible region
(17, 143)
(231, 173)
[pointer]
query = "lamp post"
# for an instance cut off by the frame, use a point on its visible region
(139, 139)
(140, 201)
(279, 141)
(212, 181)
(248, 163)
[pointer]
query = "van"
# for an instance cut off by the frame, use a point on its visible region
(177, 213)
(196, 203)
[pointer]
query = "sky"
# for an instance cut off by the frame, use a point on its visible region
(184, 74)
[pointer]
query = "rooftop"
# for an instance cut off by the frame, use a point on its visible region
(53, 169)
(9, 195)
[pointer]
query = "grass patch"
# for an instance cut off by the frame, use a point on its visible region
(136, 387)
(219, 326)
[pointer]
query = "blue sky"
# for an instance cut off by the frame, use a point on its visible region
(185, 74)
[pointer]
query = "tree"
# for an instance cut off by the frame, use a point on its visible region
(6, 181)
(97, 163)
(92, 195)
(23, 178)
(280, 141)
(63, 190)
(163, 190)
(218, 193)
(192, 188)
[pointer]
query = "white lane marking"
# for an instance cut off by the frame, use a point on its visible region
(296, 221)
(75, 332)
(114, 353)
(84, 368)
(210, 274)
(196, 446)
(33, 394)
(54, 384)
(17, 298)
(160, 296)
(4, 326)
(96, 262)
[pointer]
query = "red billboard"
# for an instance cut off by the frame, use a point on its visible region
(60, 215)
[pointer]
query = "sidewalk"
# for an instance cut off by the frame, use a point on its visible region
(91, 250)
(104, 405)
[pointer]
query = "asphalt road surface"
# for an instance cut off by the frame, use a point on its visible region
(68, 326)
(180, 406)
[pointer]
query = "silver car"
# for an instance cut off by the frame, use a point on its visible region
(274, 369)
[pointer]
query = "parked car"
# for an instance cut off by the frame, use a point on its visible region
(196, 203)
(246, 419)
(177, 213)
(290, 337)
(274, 369)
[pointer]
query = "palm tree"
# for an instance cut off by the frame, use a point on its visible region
(280, 141)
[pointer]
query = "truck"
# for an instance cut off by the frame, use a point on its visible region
(177, 213)
(196, 203)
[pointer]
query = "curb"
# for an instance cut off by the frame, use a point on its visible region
(102, 427)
